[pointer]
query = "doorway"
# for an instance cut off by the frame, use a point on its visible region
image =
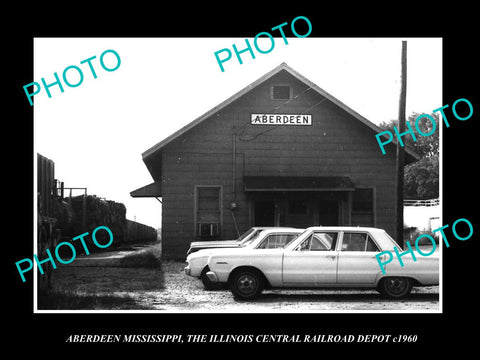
(328, 212)
(264, 213)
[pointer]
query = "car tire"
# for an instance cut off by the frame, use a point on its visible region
(246, 284)
(395, 287)
(207, 284)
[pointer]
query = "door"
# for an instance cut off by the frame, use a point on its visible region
(263, 213)
(313, 262)
(328, 211)
(357, 263)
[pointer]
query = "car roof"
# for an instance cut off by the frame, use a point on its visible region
(282, 229)
(384, 243)
(344, 228)
(271, 227)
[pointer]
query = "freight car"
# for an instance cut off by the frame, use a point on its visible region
(91, 211)
(140, 233)
(62, 217)
(98, 211)
(52, 214)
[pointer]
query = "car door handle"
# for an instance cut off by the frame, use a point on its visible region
(333, 257)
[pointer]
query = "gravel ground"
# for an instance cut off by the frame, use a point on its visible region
(169, 289)
(184, 293)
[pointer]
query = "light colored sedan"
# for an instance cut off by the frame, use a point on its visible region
(323, 257)
(246, 237)
(272, 238)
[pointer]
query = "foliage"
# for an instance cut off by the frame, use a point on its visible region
(421, 178)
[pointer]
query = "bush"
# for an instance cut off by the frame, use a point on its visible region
(141, 259)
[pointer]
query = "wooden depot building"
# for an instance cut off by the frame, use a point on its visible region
(280, 152)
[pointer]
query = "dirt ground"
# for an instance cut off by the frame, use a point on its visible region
(186, 293)
(168, 289)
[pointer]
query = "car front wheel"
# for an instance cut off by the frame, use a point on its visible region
(395, 287)
(246, 284)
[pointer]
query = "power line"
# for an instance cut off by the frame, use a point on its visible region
(276, 126)
(273, 110)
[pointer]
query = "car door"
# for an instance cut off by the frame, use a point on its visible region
(313, 262)
(357, 263)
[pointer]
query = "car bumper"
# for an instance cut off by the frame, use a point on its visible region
(212, 276)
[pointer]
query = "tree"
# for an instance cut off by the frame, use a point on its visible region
(421, 178)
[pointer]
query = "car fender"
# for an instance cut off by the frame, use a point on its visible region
(268, 262)
(424, 270)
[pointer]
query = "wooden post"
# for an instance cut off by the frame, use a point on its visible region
(400, 149)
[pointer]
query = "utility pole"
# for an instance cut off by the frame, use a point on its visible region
(400, 158)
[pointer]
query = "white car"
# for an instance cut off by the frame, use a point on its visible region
(243, 239)
(323, 257)
(264, 239)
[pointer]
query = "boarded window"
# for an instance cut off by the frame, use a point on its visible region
(208, 211)
(281, 92)
(363, 207)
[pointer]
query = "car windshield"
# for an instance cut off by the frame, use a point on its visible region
(246, 234)
(276, 240)
(251, 239)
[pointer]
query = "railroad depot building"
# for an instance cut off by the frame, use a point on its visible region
(280, 152)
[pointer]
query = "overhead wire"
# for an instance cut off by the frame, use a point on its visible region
(253, 137)
(273, 110)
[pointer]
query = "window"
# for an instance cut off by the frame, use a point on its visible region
(363, 207)
(275, 241)
(319, 241)
(281, 92)
(358, 242)
(207, 211)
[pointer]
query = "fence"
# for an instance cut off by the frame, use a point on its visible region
(430, 202)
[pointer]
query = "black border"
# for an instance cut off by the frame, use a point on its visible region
(44, 332)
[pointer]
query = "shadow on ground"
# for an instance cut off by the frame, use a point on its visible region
(341, 297)
(103, 283)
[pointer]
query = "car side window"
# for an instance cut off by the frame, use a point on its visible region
(358, 242)
(319, 241)
(275, 241)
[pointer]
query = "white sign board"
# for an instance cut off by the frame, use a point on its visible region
(280, 119)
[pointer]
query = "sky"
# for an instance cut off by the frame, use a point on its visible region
(96, 132)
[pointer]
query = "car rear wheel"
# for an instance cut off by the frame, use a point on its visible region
(246, 284)
(395, 287)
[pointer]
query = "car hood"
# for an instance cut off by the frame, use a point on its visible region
(216, 251)
(240, 251)
(202, 244)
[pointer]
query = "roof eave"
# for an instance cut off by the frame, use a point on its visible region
(168, 139)
(282, 66)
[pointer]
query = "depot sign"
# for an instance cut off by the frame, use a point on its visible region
(280, 119)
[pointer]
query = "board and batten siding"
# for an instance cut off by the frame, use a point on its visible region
(336, 144)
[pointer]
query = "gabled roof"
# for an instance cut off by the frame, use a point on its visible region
(282, 66)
